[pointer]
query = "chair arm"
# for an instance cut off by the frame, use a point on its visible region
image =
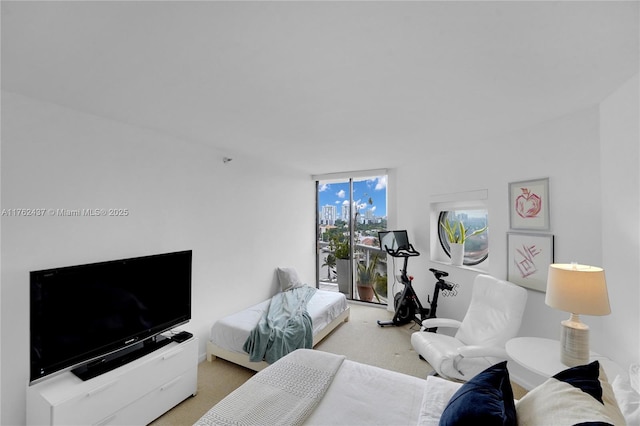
(475, 351)
(440, 322)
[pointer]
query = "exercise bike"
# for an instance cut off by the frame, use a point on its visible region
(406, 303)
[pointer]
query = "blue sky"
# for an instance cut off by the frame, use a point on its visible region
(337, 194)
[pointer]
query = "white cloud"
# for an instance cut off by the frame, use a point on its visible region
(323, 187)
(382, 183)
(341, 193)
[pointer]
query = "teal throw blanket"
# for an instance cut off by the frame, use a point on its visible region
(285, 327)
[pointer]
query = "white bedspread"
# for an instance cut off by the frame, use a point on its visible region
(359, 394)
(285, 393)
(233, 330)
(366, 395)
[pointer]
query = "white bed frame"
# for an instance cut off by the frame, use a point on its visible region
(242, 359)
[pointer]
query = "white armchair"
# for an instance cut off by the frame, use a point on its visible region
(493, 317)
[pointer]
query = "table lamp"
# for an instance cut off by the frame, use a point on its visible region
(577, 289)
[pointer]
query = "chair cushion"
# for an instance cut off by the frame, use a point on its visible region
(434, 347)
(494, 314)
(486, 399)
(440, 350)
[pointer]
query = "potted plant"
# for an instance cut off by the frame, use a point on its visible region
(367, 277)
(381, 284)
(457, 234)
(341, 249)
(343, 265)
(330, 263)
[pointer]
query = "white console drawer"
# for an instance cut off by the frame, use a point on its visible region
(74, 402)
(119, 392)
(153, 404)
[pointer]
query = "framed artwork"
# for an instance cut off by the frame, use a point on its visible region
(528, 259)
(529, 204)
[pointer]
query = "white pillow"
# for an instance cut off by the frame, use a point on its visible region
(288, 278)
(628, 399)
(437, 394)
(557, 402)
(634, 377)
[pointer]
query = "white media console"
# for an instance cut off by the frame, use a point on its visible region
(133, 394)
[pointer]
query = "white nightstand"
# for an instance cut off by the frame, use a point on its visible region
(542, 356)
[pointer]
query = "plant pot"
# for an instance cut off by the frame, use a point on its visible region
(344, 276)
(365, 293)
(457, 253)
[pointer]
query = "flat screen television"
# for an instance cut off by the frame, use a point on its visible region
(94, 317)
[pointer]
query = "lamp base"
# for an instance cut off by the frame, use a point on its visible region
(574, 343)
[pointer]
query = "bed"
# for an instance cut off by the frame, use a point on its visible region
(312, 387)
(327, 310)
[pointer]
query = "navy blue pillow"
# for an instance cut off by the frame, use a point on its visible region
(583, 377)
(486, 399)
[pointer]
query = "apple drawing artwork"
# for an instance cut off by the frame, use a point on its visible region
(528, 204)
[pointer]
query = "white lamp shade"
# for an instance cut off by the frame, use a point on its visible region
(577, 289)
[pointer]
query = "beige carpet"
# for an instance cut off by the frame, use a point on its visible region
(360, 339)
(363, 340)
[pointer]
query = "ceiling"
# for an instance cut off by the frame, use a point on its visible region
(325, 86)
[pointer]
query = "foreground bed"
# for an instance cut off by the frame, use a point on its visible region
(295, 388)
(317, 388)
(327, 310)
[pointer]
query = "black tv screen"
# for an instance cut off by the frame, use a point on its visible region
(81, 313)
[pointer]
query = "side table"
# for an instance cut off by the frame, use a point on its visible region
(542, 356)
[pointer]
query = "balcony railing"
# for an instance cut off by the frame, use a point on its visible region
(364, 255)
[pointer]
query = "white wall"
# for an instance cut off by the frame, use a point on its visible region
(620, 151)
(543, 151)
(241, 219)
(568, 151)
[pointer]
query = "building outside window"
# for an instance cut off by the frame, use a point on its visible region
(476, 248)
(351, 210)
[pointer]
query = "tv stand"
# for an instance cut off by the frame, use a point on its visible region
(120, 358)
(134, 393)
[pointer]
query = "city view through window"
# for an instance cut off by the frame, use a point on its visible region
(350, 215)
(476, 247)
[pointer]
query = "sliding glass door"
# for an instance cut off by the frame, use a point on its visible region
(350, 212)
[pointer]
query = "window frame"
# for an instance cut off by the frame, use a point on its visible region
(470, 200)
(351, 178)
(444, 244)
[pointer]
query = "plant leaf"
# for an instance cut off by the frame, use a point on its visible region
(448, 230)
(463, 232)
(478, 231)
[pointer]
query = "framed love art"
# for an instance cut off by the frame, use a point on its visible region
(529, 205)
(528, 259)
